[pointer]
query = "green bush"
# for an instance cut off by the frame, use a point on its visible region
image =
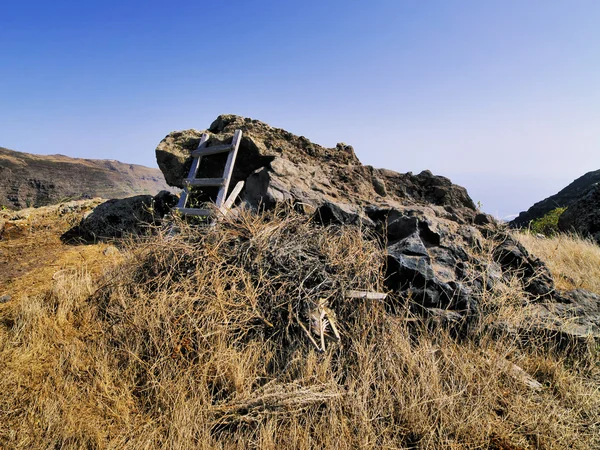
(548, 224)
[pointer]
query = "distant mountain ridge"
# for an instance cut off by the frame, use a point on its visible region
(28, 180)
(564, 198)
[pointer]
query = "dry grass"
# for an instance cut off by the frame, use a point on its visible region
(573, 261)
(194, 342)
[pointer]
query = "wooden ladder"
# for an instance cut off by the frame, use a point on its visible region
(222, 183)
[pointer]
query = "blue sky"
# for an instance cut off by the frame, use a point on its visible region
(502, 97)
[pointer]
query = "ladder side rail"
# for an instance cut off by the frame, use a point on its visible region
(232, 197)
(237, 137)
(193, 169)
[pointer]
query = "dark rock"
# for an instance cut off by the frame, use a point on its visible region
(516, 261)
(583, 215)
(5, 299)
(338, 214)
(164, 201)
(400, 226)
(426, 264)
(116, 218)
(483, 219)
(120, 217)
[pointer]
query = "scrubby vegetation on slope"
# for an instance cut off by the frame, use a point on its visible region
(548, 224)
(194, 341)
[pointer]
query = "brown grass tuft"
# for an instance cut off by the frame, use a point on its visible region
(573, 261)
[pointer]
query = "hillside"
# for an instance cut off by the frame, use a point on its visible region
(36, 180)
(564, 198)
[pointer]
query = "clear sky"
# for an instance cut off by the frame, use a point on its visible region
(502, 97)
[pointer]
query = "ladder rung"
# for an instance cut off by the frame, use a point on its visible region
(204, 181)
(194, 211)
(205, 151)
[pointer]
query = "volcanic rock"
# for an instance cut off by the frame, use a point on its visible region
(116, 218)
(278, 166)
(426, 220)
(516, 261)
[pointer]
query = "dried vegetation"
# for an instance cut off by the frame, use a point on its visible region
(197, 340)
(573, 260)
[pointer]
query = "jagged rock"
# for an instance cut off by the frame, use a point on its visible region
(341, 214)
(279, 166)
(119, 217)
(516, 261)
(583, 216)
(428, 259)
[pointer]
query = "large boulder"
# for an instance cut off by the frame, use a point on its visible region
(277, 165)
(583, 216)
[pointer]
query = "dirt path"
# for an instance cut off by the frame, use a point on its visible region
(32, 253)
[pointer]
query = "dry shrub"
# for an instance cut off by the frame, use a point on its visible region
(573, 260)
(194, 342)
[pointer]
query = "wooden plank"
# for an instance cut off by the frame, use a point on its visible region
(192, 174)
(204, 181)
(366, 294)
(212, 150)
(194, 211)
(231, 199)
(235, 142)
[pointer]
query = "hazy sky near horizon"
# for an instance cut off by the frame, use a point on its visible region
(502, 97)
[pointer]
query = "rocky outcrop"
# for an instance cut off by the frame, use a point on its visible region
(583, 216)
(28, 180)
(443, 255)
(565, 198)
(278, 165)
